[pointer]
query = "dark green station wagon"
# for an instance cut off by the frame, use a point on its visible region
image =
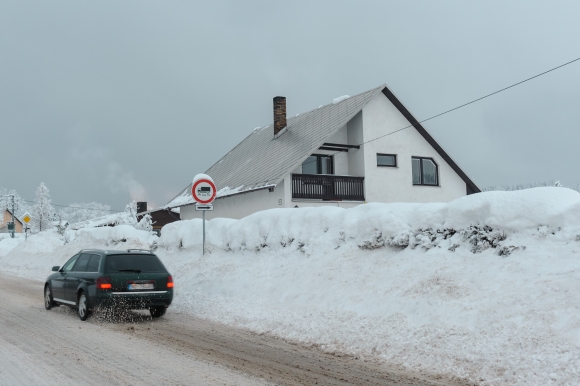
(130, 279)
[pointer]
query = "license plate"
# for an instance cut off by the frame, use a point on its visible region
(139, 286)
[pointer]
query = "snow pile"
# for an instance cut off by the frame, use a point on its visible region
(483, 218)
(35, 257)
(7, 243)
(485, 288)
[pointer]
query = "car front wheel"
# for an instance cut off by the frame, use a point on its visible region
(48, 302)
(83, 309)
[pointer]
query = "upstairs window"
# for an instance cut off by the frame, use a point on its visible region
(425, 171)
(318, 164)
(387, 160)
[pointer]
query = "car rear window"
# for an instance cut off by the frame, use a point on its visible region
(133, 263)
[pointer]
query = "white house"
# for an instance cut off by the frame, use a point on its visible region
(340, 154)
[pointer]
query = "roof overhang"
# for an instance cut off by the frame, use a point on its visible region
(407, 114)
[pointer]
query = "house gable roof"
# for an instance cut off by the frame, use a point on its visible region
(262, 160)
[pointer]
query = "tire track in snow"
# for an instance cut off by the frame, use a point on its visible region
(54, 347)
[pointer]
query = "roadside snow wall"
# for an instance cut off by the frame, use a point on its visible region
(486, 218)
(485, 288)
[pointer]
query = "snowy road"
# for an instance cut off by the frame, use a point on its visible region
(53, 347)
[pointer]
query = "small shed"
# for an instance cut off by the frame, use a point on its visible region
(159, 217)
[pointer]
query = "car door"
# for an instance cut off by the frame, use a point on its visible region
(59, 281)
(74, 276)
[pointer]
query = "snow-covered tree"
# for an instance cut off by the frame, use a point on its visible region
(42, 210)
(22, 206)
(78, 212)
(129, 217)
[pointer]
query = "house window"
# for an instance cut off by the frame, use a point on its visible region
(425, 171)
(318, 164)
(387, 160)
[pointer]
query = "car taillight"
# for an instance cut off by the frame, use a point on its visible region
(104, 283)
(169, 282)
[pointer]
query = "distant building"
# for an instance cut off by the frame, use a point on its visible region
(340, 154)
(159, 217)
(6, 218)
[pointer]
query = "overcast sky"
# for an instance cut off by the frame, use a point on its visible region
(108, 100)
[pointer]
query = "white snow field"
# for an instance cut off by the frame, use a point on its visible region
(485, 288)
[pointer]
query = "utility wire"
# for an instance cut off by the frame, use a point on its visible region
(475, 100)
(463, 105)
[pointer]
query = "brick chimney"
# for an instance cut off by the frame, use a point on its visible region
(279, 114)
(141, 207)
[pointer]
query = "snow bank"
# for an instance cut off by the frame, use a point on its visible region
(7, 243)
(376, 225)
(485, 288)
(35, 257)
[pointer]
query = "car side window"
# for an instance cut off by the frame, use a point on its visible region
(94, 263)
(82, 262)
(69, 264)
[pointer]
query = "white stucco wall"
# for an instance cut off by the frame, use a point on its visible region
(395, 184)
(355, 136)
(240, 205)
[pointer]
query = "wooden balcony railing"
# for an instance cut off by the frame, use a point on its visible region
(328, 187)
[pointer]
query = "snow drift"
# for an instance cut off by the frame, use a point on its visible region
(485, 288)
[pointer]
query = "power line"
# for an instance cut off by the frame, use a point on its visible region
(475, 100)
(465, 104)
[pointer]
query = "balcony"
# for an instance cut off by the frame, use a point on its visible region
(328, 187)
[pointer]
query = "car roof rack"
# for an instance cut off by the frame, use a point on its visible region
(138, 250)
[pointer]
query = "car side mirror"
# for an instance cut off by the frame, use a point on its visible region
(55, 268)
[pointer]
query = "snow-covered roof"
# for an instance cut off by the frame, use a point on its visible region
(262, 160)
(108, 219)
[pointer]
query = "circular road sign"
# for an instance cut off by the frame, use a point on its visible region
(203, 191)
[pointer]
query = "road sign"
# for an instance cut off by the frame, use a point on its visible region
(26, 218)
(203, 207)
(203, 189)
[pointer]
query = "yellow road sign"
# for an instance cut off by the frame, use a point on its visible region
(26, 218)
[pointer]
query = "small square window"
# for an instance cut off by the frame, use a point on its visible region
(387, 160)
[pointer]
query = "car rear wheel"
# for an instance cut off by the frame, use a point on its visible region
(83, 309)
(157, 312)
(48, 302)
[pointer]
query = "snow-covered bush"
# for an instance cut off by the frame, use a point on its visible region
(482, 237)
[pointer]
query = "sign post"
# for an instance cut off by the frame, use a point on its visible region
(203, 191)
(26, 218)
